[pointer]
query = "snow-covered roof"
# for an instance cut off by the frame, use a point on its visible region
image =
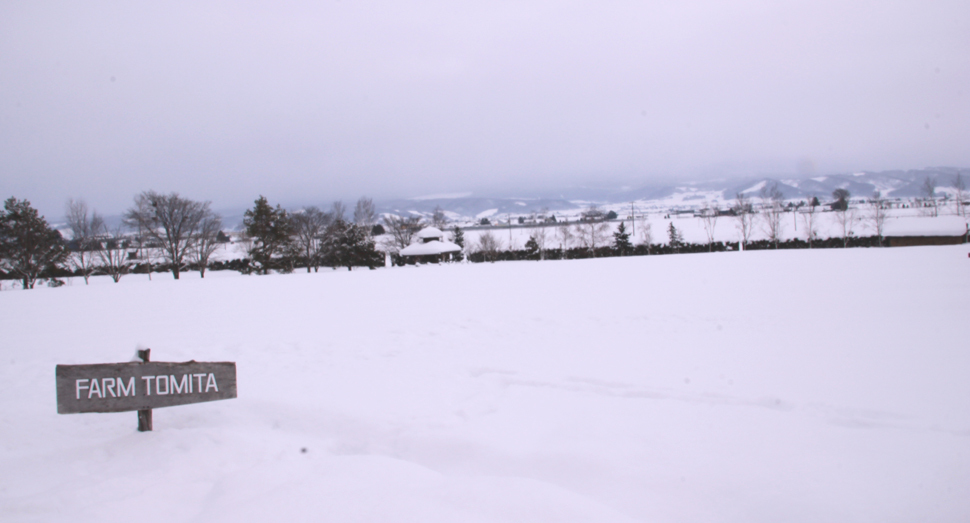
(430, 248)
(430, 232)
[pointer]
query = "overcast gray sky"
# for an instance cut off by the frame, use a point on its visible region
(308, 101)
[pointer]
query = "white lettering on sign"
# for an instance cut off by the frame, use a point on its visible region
(179, 388)
(108, 384)
(211, 382)
(158, 385)
(148, 384)
(95, 389)
(126, 391)
(114, 387)
(164, 385)
(78, 386)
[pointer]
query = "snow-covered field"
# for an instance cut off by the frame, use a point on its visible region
(766, 386)
(899, 222)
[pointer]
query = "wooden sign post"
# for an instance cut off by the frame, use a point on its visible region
(142, 386)
(144, 415)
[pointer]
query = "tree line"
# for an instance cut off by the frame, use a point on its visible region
(590, 235)
(173, 233)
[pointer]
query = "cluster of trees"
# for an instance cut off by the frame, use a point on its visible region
(591, 232)
(931, 203)
(554, 239)
(311, 238)
(177, 234)
(622, 246)
(179, 231)
(772, 210)
(590, 236)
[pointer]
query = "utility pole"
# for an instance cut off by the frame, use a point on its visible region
(510, 230)
(633, 220)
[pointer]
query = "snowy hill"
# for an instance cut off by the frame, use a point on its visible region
(892, 184)
(664, 197)
(688, 388)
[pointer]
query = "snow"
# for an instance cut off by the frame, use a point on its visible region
(486, 213)
(443, 196)
(756, 187)
(430, 232)
(937, 226)
(899, 222)
(798, 386)
(430, 248)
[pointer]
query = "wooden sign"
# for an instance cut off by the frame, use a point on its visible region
(141, 386)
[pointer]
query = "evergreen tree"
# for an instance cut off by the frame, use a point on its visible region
(357, 248)
(532, 249)
(28, 246)
(270, 231)
(332, 247)
(349, 245)
(621, 241)
(459, 240)
(676, 240)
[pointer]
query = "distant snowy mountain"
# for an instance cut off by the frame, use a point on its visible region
(892, 184)
(570, 200)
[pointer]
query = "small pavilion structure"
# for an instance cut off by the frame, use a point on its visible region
(430, 245)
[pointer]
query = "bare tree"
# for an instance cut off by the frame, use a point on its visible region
(113, 252)
(365, 214)
(591, 230)
(489, 246)
(961, 188)
(338, 211)
(772, 209)
(308, 226)
(929, 193)
(438, 218)
(145, 249)
(564, 234)
(845, 218)
(170, 220)
(877, 214)
(206, 241)
(708, 217)
(85, 231)
(744, 215)
(400, 231)
(809, 217)
(644, 233)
